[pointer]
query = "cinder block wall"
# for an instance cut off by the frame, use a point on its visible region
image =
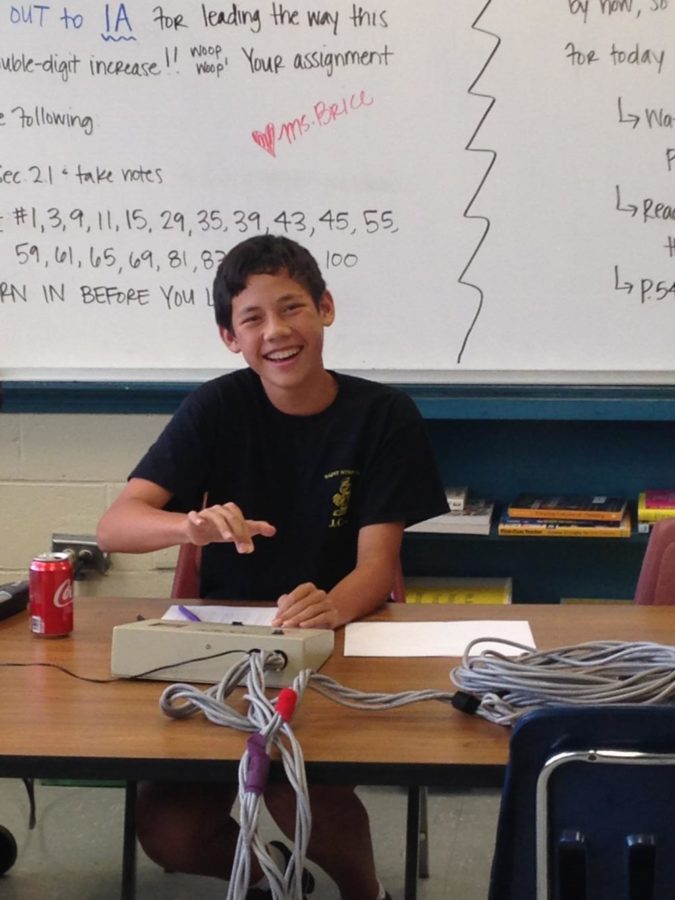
(58, 473)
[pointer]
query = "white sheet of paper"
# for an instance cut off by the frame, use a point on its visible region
(247, 615)
(432, 638)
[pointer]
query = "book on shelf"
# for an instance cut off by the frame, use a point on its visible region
(661, 499)
(577, 507)
(456, 497)
(475, 518)
(647, 513)
(477, 591)
(511, 526)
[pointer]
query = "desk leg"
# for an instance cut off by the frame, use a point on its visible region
(129, 847)
(412, 838)
(424, 833)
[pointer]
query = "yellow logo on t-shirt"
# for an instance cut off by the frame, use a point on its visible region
(341, 497)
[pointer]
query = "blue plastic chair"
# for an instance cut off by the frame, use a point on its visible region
(588, 806)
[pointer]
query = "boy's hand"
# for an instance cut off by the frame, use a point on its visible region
(306, 607)
(225, 523)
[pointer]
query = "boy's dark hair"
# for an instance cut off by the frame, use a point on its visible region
(265, 254)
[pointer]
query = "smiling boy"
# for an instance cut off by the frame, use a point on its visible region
(310, 478)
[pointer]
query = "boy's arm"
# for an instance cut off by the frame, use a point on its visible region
(360, 592)
(136, 522)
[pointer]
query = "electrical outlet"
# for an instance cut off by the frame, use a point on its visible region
(87, 555)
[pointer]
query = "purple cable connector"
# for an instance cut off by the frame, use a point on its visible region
(258, 765)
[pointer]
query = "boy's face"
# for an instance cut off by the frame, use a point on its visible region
(278, 329)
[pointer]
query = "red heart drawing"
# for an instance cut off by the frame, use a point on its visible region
(265, 139)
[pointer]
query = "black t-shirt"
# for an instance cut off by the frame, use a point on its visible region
(364, 460)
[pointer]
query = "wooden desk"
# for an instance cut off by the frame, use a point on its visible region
(57, 726)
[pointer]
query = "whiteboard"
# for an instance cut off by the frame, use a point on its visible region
(488, 187)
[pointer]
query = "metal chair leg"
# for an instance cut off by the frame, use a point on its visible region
(129, 846)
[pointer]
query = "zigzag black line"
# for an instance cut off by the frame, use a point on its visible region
(493, 157)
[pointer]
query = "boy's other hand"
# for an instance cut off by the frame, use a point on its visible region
(225, 523)
(306, 607)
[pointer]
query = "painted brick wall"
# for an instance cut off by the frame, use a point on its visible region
(58, 473)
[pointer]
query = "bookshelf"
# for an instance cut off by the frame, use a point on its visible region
(502, 440)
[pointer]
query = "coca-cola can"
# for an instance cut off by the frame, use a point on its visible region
(50, 595)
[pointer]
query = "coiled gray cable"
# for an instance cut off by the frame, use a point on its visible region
(592, 673)
(269, 729)
(361, 700)
(597, 672)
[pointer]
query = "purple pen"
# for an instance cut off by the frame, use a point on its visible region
(193, 617)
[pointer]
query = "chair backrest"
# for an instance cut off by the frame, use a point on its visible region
(656, 583)
(398, 590)
(186, 576)
(587, 806)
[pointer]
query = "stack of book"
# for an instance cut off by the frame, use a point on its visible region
(478, 591)
(465, 517)
(654, 506)
(566, 516)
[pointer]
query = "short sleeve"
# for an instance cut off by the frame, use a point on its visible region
(402, 482)
(178, 460)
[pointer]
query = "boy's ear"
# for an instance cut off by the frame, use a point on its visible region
(327, 309)
(229, 339)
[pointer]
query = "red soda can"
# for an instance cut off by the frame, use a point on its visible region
(50, 594)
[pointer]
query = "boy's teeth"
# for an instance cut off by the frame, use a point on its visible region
(284, 354)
